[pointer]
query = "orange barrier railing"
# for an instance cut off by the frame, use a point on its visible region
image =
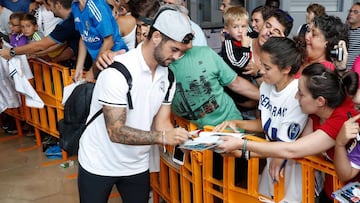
(49, 80)
(176, 183)
(192, 182)
(195, 181)
(228, 191)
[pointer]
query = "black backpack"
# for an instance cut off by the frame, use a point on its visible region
(77, 109)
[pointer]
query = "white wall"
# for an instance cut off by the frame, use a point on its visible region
(299, 17)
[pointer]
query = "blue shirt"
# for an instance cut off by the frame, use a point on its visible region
(94, 23)
(18, 6)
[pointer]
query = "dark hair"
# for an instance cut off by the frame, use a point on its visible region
(17, 15)
(30, 17)
(333, 29)
(236, 2)
(65, 3)
(144, 8)
(284, 53)
(273, 3)
(284, 19)
(317, 9)
(265, 11)
(324, 82)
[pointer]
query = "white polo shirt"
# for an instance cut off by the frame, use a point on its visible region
(97, 154)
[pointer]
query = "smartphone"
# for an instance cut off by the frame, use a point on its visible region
(178, 155)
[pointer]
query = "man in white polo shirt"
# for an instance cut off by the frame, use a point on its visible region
(114, 149)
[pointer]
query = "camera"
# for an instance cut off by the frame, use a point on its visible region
(337, 53)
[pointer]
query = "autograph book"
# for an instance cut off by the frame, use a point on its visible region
(350, 193)
(206, 140)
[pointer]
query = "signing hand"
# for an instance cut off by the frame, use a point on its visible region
(176, 136)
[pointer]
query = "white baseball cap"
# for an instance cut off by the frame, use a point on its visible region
(174, 25)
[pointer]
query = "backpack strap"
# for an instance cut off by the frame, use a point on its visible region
(171, 79)
(94, 117)
(120, 67)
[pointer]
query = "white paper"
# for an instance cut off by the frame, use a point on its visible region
(207, 140)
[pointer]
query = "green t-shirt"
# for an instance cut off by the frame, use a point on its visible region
(200, 98)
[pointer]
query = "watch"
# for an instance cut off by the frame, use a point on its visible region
(12, 52)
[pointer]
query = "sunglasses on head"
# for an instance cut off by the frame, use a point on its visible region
(146, 20)
(188, 38)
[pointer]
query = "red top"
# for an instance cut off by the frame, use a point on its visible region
(327, 64)
(331, 127)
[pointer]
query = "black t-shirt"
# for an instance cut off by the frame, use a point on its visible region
(65, 32)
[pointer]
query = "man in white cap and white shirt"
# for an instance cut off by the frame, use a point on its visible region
(199, 35)
(114, 149)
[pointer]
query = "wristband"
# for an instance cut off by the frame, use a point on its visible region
(164, 140)
(247, 155)
(243, 150)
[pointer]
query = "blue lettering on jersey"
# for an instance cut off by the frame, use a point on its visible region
(265, 102)
(276, 111)
(293, 131)
(274, 134)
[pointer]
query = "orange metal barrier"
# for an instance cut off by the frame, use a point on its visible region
(49, 80)
(227, 190)
(176, 183)
(193, 182)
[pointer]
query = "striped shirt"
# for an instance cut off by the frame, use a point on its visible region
(36, 37)
(354, 46)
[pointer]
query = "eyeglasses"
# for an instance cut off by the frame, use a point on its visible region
(146, 20)
(354, 11)
(188, 38)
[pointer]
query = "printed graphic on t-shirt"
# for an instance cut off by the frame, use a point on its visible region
(195, 100)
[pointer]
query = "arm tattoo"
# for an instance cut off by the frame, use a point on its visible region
(115, 119)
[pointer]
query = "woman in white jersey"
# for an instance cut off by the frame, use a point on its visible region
(281, 118)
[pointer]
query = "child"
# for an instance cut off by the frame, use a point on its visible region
(29, 28)
(17, 38)
(236, 47)
(99, 33)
